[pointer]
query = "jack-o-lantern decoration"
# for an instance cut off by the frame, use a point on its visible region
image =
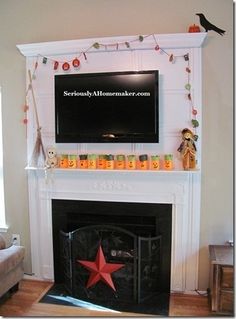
(110, 161)
(92, 161)
(168, 162)
(143, 162)
(101, 161)
(131, 162)
(120, 161)
(63, 163)
(72, 161)
(194, 28)
(83, 161)
(155, 162)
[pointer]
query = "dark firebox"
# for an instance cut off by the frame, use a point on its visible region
(135, 235)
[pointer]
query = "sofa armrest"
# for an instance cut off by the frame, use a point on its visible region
(2, 242)
(10, 258)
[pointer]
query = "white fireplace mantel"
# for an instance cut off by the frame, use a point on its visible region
(179, 188)
(174, 188)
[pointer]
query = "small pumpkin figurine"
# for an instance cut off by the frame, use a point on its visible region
(110, 161)
(168, 162)
(101, 161)
(120, 161)
(131, 162)
(155, 162)
(63, 163)
(143, 161)
(83, 161)
(92, 161)
(194, 28)
(188, 149)
(72, 161)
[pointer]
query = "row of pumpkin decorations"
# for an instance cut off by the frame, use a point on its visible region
(108, 161)
(187, 149)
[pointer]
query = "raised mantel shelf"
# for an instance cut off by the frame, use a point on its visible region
(165, 41)
(77, 170)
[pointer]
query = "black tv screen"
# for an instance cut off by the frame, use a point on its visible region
(119, 107)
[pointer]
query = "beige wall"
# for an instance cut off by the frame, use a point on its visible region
(27, 21)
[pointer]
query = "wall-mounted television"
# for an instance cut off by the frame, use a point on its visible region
(120, 107)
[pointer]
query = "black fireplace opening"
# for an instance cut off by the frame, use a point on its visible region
(132, 241)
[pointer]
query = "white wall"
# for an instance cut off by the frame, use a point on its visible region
(29, 21)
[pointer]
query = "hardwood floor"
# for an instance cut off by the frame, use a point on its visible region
(24, 303)
(189, 306)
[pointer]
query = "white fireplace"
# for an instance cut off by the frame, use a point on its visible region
(177, 187)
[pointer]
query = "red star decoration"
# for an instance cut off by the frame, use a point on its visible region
(100, 270)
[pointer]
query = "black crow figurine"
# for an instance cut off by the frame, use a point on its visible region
(207, 25)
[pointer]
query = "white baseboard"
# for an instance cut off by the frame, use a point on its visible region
(33, 277)
(191, 292)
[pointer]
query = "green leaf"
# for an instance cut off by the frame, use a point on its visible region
(96, 45)
(140, 38)
(188, 87)
(195, 123)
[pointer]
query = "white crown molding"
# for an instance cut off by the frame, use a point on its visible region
(165, 41)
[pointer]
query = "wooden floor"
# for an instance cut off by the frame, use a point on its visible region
(24, 303)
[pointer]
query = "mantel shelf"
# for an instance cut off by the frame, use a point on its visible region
(77, 170)
(167, 41)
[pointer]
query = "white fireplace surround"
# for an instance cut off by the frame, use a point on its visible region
(179, 188)
(176, 188)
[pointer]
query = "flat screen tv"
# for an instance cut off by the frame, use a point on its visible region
(120, 107)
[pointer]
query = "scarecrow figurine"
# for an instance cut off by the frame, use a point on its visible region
(188, 150)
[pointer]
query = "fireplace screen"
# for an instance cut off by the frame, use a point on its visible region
(113, 254)
(132, 264)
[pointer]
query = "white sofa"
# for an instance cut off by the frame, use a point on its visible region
(11, 266)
